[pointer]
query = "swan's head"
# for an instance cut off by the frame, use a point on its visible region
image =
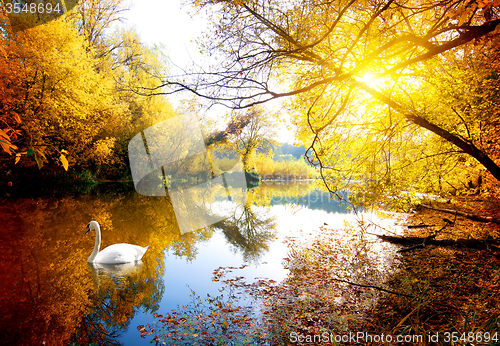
(92, 226)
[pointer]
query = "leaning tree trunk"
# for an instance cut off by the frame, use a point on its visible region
(462, 243)
(467, 147)
(466, 215)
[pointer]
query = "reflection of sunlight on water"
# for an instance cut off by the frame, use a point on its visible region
(307, 225)
(291, 220)
(349, 258)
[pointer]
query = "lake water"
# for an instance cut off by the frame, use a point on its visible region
(49, 295)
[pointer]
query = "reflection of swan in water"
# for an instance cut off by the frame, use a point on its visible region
(118, 273)
(115, 269)
(113, 254)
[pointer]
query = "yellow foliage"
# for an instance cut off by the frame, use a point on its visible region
(59, 91)
(5, 142)
(54, 89)
(103, 151)
(50, 294)
(401, 133)
(64, 162)
(282, 170)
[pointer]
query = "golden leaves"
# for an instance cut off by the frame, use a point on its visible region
(467, 12)
(64, 161)
(487, 3)
(17, 118)
(58, 65)
(5, 142)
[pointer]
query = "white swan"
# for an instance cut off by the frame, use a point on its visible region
(116, 253)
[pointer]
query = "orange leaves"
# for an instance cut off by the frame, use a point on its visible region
(5, 141)
(467, 11)
(17, 118)
(213, 320)
(40, 157)
(76, 102)
(7, 146)
(487, 3)
(145, 330)
(38, 154)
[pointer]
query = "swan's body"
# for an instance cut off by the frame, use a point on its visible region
(116, 253)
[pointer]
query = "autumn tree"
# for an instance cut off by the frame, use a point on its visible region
(131, 64)
(53, 93)
(355, 75)
(94, 19)
(462, 91)
(9, 117)
(259, 133)
(68, 93)
(121, 54)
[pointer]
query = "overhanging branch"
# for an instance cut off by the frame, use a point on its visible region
(467, 147)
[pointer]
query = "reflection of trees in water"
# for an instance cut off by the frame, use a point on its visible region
(249, 232)
(119, 292)
(90, 332)
(44, 283)
(266, 192)
(47, 292)
(187, 248)
(305, 194)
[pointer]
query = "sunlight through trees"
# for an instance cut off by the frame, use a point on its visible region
(359, 78)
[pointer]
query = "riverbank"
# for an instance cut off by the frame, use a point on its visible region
(443, 290)
(430, 295)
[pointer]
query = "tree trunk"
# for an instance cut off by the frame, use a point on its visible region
(466, 215)
(462, 243)
(467, 147)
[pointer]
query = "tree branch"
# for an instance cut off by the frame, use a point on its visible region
(468, 148)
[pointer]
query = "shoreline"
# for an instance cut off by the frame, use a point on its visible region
(447, 288)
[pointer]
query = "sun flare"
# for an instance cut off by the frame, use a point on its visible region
(370, 80)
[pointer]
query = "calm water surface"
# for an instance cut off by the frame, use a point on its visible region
(49, 295)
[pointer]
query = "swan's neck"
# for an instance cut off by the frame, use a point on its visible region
(97, 244)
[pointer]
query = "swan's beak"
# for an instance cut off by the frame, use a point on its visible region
(88, 230)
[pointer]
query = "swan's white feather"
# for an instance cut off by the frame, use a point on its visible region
(113, 254)
(120, 253)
